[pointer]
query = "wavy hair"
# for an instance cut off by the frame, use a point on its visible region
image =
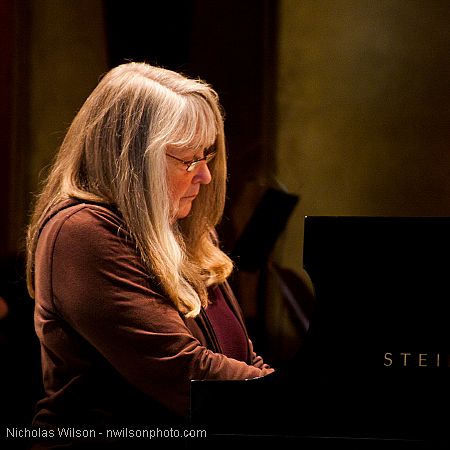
(114, 153)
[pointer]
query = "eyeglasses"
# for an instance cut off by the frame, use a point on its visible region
(193, 163)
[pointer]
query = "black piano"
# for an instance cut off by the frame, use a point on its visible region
(374, 368)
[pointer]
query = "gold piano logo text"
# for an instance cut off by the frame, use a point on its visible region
(416, 359)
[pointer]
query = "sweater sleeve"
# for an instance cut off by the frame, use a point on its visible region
(102, 290)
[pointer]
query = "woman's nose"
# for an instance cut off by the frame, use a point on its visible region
(203, 175)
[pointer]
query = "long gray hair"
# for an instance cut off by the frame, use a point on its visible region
(114, 152)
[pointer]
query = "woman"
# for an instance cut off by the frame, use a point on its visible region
(130, 284)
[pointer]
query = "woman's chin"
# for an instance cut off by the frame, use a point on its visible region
(183, 211)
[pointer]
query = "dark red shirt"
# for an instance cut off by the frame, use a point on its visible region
(228, 329)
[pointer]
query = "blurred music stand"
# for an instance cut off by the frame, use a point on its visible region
(257, 241)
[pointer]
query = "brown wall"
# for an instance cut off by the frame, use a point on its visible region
(57, 52)
(363, 109)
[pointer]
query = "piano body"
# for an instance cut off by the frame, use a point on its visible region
(374, 368)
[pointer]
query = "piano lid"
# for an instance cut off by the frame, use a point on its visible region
(375, 364)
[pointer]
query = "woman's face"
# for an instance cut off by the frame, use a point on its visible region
(184, 186)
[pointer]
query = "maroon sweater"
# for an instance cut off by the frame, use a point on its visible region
(114, 350)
